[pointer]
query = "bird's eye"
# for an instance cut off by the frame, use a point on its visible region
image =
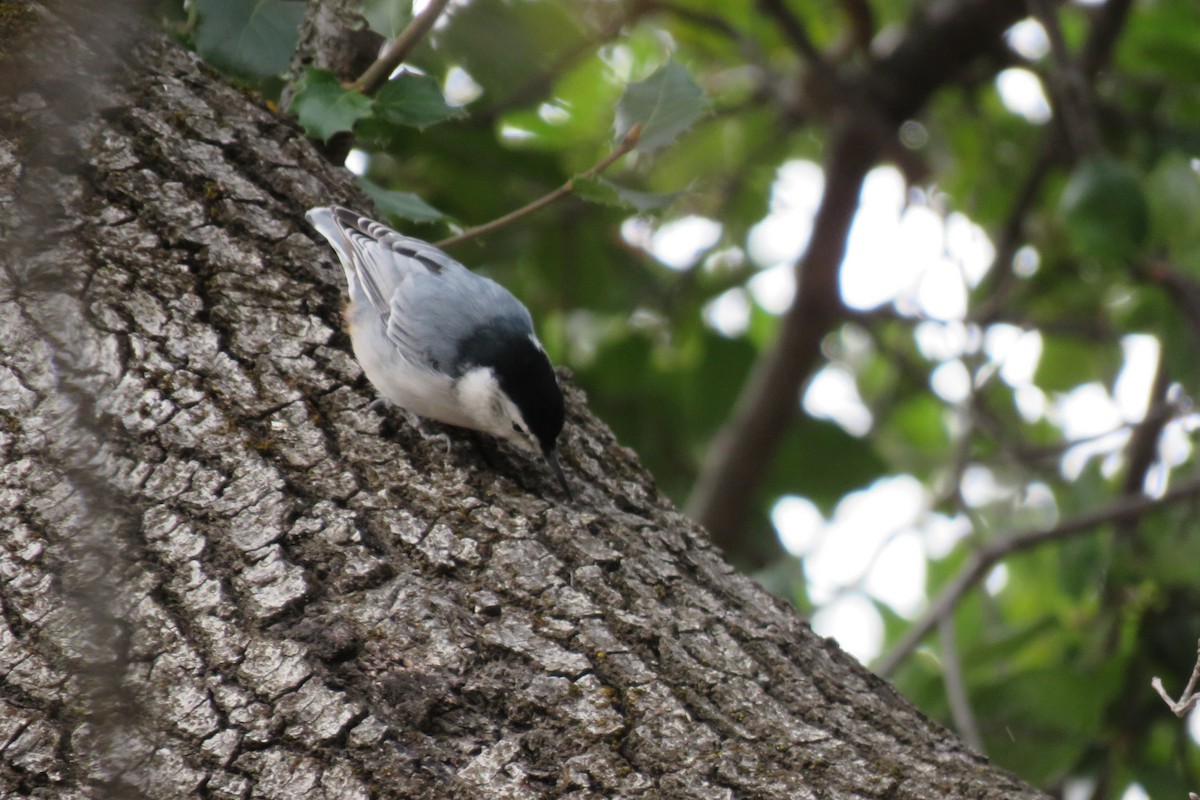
(517, 428)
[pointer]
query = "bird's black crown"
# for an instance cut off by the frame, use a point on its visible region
(524, 372)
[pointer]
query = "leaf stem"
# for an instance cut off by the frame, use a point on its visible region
(627, 144)
(399, 49)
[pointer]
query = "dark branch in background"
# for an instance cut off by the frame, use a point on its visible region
(741, 453)
(1182, 289)
(1068, 87)
(862, 23)
(399, 49)
(1142, 449)
(932, 54)
(989, 553)
(826, 94)
(627, 144)
(1103, 36)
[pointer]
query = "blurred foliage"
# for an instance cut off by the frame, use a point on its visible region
(1056, 658)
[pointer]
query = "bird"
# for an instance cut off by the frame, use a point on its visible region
(442, 342)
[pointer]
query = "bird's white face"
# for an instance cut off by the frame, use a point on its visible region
(491, 411)
(518, 432)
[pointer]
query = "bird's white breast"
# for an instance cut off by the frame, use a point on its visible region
(412, 387)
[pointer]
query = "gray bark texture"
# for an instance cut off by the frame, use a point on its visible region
(223, 576)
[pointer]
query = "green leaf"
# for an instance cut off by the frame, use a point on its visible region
(506, 46)
(401, 204)
(922, 422)
(387, 17)
(1173, 191)
(603, 191)
(416, 100)
(821, 461)
(1104, 210)
(1056, 710)
(323, 107)
(1067, 362)
(253, 39)
(665, 105)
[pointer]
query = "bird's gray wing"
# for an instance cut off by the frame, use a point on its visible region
(432, 314)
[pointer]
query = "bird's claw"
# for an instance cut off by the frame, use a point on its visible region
(426, 435)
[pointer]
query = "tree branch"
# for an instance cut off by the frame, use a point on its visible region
(1142, 449)
(991, 552)
(627, 144)
(741, 453)
(400, 48)
(956, 688)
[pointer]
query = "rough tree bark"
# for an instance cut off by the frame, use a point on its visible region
(222, 575)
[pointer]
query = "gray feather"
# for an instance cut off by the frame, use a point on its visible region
(428, 302)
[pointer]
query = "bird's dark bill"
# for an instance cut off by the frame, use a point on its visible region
(552, 460)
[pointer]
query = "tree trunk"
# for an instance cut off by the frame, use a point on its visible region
(222, 575)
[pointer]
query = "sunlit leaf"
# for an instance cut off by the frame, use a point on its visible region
(253, 39)
(323, 107)
(666, 104)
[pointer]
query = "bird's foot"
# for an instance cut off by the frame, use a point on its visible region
(426, 434)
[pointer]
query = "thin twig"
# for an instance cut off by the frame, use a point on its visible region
(956, 689)
(982, 560)
(627, 144)
(1190, 696)
(400, 48)
(1012, 236)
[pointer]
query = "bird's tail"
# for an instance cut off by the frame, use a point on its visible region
(322, 218)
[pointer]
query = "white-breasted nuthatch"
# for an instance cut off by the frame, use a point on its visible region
(440, 341)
